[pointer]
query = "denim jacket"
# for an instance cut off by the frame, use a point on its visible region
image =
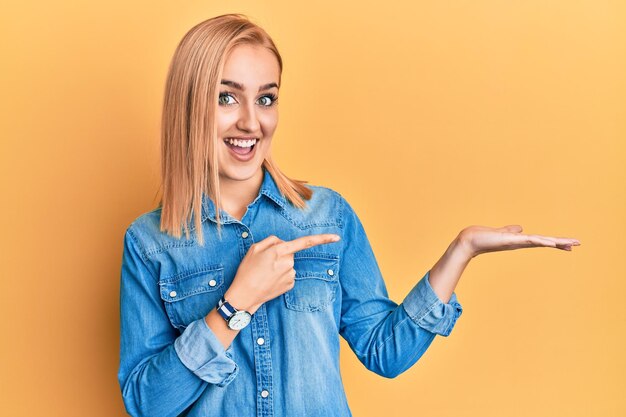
(286, 361)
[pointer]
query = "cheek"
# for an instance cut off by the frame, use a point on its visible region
(269, 122)
(225, 122)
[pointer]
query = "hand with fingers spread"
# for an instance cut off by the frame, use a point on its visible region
(481, 239)
(266, 270)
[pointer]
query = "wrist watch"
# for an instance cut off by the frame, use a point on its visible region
(236, 319)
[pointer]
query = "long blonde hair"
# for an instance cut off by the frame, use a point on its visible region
(189, 165)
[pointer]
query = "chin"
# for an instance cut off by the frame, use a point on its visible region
(240, 173)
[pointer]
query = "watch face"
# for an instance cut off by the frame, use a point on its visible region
(239, 320)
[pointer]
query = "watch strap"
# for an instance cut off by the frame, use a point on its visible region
(225, 309)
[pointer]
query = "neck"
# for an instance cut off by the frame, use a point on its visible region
(236, 195)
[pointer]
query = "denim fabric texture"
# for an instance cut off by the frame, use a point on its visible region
(286, 361)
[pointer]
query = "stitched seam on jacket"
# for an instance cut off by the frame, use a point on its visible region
(384, 342)
(432, 306)
(142, 255)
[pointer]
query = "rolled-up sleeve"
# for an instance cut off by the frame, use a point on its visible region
(428, 311)
(202, 352)
(161, 371)
(388, 338)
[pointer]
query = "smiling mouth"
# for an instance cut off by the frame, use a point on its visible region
(241, 146)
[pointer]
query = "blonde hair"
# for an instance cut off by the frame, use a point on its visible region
(189, 165)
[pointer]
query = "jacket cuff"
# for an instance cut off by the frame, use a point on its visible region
(428, 311)
(200, 350)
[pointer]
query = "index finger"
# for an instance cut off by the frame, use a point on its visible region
(303, 242)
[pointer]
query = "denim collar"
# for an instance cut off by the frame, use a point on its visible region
(268, 189)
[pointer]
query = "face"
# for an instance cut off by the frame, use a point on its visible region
(247, 112)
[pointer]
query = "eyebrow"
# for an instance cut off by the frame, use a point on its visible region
(238, 86)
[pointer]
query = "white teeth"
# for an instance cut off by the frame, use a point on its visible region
(241, 143)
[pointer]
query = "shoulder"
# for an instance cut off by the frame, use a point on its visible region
(326, 207)
(147, 222)
(329, 196)
(145, 232)
(323, 197)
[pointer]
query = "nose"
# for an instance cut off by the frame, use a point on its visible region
(248, 120)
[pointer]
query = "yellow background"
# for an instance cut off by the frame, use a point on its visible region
(427, 116)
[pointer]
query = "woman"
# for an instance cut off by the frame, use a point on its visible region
(242, 315)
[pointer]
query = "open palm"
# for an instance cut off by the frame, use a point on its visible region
(482, 239)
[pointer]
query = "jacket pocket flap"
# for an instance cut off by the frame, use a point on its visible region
(324, 266)
(182, 285)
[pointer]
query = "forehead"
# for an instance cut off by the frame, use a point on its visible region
(252, 66)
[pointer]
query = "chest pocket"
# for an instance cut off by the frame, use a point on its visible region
(316, 282)
(192, 294)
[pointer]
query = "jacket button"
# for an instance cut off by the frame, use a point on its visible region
(244, 235)
(331, 272)
(260, 340)
(213, 283)
(172, 294)
(265, 393)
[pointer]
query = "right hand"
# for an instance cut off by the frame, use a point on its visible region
(267, 270)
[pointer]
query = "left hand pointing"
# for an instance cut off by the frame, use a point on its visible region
(482, 239)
